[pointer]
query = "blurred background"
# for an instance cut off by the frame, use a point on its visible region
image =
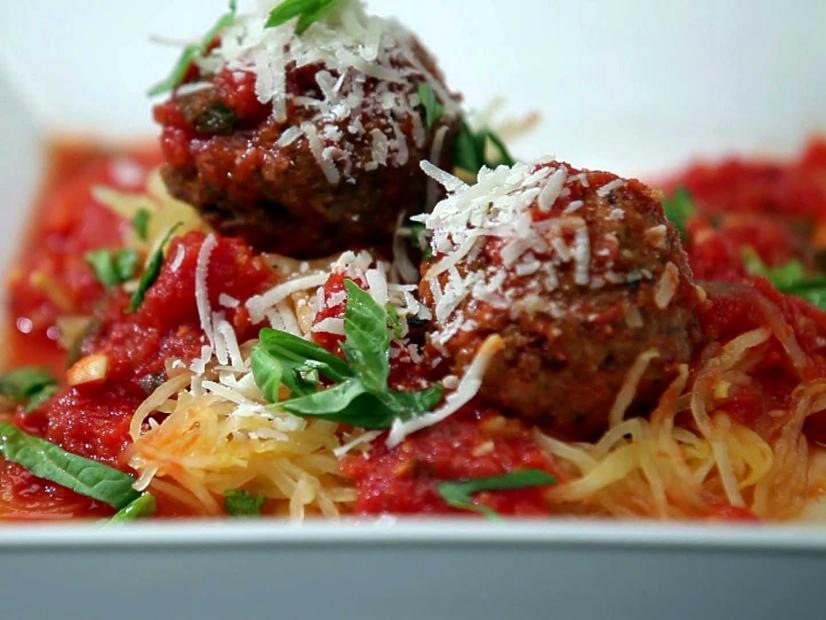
(634, 86)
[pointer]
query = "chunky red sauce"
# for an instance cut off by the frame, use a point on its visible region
(93, 419)
(776, 210)
(472, 443)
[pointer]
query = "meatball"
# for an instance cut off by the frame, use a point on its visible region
(308, 144)
(578, 272)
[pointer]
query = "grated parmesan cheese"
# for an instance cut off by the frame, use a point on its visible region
(178, 260)
(369, 69)
(201, 289)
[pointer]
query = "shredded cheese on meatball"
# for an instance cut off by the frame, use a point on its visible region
(370, 67)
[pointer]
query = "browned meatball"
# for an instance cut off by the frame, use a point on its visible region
(581, 275)
(307, 144)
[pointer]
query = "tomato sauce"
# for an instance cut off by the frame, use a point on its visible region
(51, 277)
(472, 443)
(92, 419)
(776, 210)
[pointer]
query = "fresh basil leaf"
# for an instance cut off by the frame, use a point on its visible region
(364, 410)
(459, 494)
(47, 392)
(191, 52)
(51, 462)
(367, 342)
(505, 158)
(466, 152)
(784, 276)
(813, 291)
(280, 357)
(433, 109)
(470, 152)
(789, 278)
(216, 119)
(335, 399)
(31, 386)
(102, 264)
(140, 222)
(302, 350)
(420, 239)
(125, 263)
(307, 11)
(20, 384)
(413, 403)
(359, 395)
(310, 17)
(350, 404)
(679, 208)
(174, 79)
(152, 271)
(240, 503)
(267, 372)
(113, 267)
(394, 322)
(140, 508)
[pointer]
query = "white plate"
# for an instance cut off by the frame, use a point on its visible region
(447, 569)
(631, 86)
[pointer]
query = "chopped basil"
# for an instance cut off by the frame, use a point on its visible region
(394, 323)
(216, 119)
(459, 494)
(432, 108)
(151, 273)
(367, 342)
(140, 222)
(359, 394)
(471, 149)
(51, 462)
(143, 506)
(41, 396)
(812, 290)
(113, 267)
(307, 11)
(679, 208)
(240, 503)
(281, 358)
(30, 386)
(789, 278)
(420, 239)
(191, 52)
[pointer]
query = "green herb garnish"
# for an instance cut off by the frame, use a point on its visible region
(51, 462)
(216, 119)
(679, 208)
(471, 149)
(240, 503)
(140, 508)
(30, 386)
(113, 267)
(151, 273)
(140, 222)
(789, 278)
(459, 494)
(191, 52)
(307, 11)
(394, 323)
(433, 109)
(359, 394)
(419, 239)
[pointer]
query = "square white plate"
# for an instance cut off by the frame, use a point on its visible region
(636, 86)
